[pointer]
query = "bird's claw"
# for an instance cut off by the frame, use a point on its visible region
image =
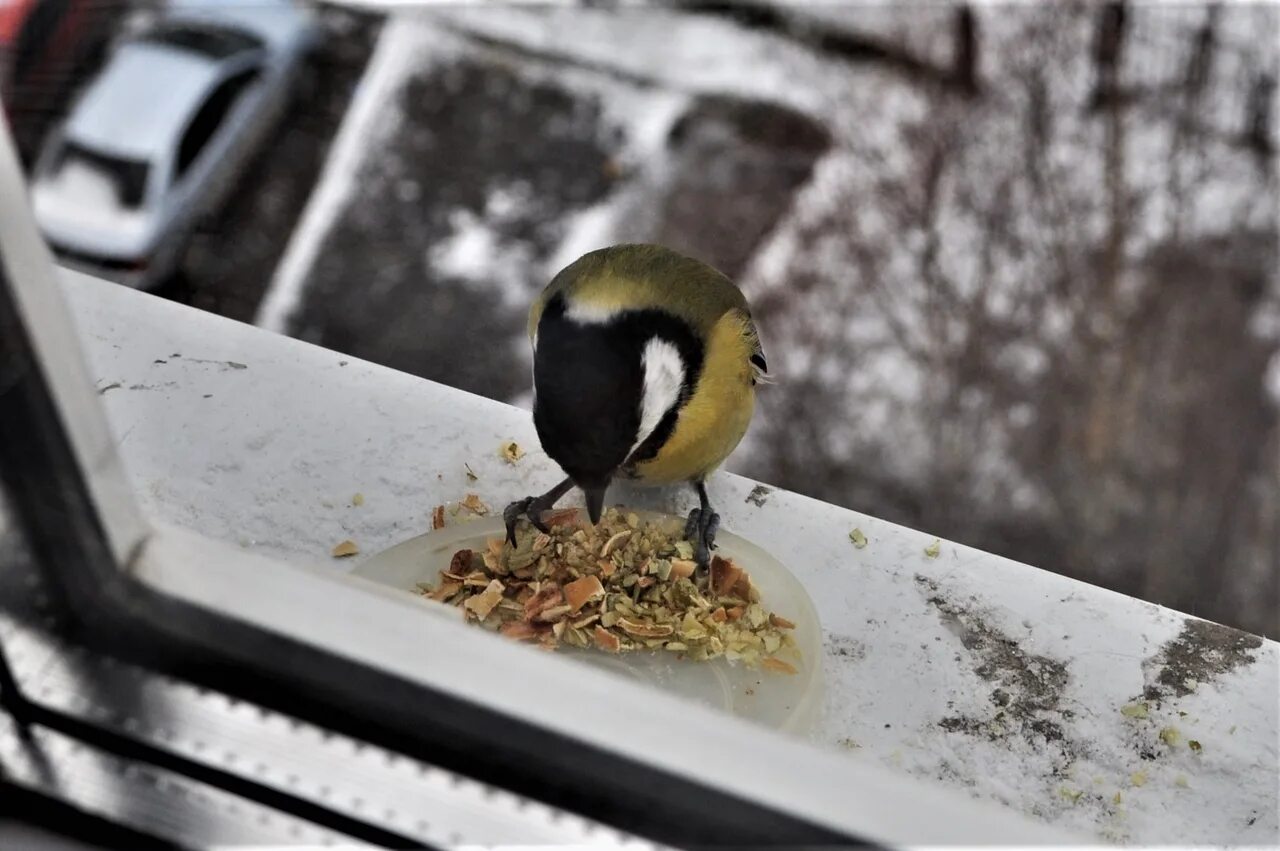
(511, 516)
(701, 530)
(530, 507)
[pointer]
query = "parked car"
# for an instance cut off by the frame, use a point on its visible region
(46, 48)
(159, 138)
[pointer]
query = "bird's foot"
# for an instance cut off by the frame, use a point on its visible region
(531, 507)
(700, 530)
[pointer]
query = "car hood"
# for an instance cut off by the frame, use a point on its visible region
(78, 211)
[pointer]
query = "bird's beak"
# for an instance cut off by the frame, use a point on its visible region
(595, 501)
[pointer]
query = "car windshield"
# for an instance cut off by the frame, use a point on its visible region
(126, 178)
(212, 41)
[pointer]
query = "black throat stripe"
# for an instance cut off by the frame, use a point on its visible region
(590, 382)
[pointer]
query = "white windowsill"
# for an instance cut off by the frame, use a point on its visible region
(260, 442)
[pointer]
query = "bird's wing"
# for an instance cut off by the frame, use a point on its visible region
(759, 366)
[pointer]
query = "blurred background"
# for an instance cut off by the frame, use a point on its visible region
(1014, 266)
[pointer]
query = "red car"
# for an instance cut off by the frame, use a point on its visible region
(46, 48)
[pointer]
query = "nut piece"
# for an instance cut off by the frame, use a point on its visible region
(552, 613)
(614, 542)
(606, 640)
(560, 517)
(682, 568)
(473, 504)
(520, 631)
(1134, 710)
(357, 500)
(724, 575)
(578, 592)
(645, 630)
(544, 599)
(859, 539)
(780, 622)
(510, 452)
(483, 603)
(778, 665)
(934, 549)
(446, 590)
(437, 517)
(460, 564)
(344, 549)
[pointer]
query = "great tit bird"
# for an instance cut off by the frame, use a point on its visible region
(645, 364)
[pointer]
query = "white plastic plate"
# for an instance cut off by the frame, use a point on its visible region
(788, 702)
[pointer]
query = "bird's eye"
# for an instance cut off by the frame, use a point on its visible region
(759, 361)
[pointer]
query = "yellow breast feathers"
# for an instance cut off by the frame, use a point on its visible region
(716, 416)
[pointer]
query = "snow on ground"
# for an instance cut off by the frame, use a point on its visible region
(648, 117)
(477, 253)
(399, 50)
(680, 52)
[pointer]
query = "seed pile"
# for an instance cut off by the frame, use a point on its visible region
(621, 586)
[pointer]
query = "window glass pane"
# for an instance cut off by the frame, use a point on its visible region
(209, 120)
(125, 180)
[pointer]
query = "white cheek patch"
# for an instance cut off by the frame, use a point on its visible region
(663, 377)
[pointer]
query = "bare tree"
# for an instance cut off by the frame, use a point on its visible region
(1027, 325)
